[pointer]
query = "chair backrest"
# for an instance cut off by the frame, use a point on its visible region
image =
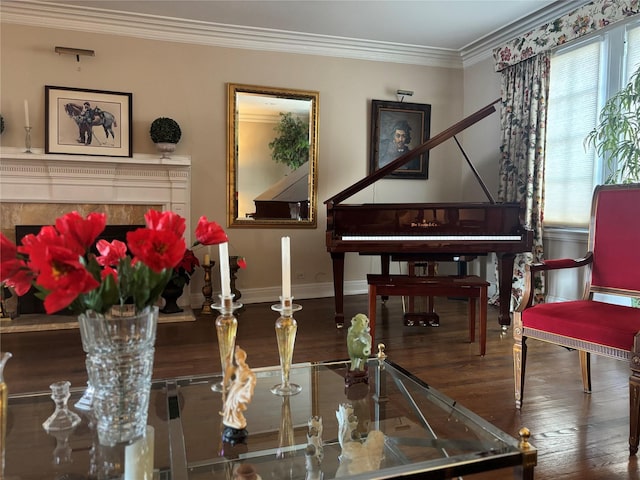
(614, 239)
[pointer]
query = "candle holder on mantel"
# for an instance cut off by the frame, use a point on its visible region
(27, 140)
(286, 328)
(207, 289)
(226, 328)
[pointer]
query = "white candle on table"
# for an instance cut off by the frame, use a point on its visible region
(26, 114)
(286, 268)
(138, 461)
(225, 279)
(207, 259)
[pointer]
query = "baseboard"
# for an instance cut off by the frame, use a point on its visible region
(300, 292)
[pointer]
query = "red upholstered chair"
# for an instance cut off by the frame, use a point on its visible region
(587, 325)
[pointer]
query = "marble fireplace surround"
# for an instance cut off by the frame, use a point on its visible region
(36, 187)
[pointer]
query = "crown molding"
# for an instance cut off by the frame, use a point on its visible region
(96, 20)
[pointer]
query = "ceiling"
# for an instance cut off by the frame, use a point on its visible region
(439, 24)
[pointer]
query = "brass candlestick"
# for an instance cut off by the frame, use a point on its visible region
(286, 328)
(207, 289)
(226, 328)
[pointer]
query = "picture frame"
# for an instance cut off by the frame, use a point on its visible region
(396, 128)
(67, 113)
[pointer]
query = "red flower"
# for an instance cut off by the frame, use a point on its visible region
(111, 253)
(106, 271)
(58, 262)
(189, 262)
(80, 233)
(165, 221)
(64, 277)
(158, 249)
(209, 233)
(242, 262)
(13, 270)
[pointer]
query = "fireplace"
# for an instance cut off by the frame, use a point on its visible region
(36, 188)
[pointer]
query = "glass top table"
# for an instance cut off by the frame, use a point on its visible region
(424, 433)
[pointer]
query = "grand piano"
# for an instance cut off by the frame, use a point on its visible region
(426, 231)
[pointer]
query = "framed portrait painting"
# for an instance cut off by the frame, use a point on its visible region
(88, 122)
(397, 128)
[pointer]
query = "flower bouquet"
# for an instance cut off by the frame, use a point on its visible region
(114, 289)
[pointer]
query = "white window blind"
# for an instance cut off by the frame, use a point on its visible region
(633, 51)
(582, 77)
(572, 113)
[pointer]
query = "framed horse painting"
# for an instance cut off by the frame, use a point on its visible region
(88, 122)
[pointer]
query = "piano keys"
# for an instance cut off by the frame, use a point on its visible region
(426, 231)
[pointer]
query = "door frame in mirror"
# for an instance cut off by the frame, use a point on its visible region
(233, 124)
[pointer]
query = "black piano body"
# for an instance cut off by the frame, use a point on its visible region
(426, 231)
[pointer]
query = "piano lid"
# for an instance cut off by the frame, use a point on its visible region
(292, 188)
(403, 159)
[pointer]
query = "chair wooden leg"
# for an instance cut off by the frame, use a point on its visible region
(634, 413)
(519, 359)
(585, 368)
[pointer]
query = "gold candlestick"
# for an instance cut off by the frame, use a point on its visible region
(226, 328)
(286, 328)
(207, 289)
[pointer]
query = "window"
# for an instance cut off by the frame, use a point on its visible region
(583, 76)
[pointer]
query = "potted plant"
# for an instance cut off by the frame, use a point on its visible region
(165, 133)
(291, 146)
(616, 135)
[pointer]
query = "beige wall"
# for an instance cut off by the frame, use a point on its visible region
(188, 83)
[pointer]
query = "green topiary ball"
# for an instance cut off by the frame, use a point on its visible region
(165, 130)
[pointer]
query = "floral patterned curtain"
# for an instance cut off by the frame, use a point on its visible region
(583, 20)
(525, 90)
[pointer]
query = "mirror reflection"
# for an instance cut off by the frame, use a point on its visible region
(273, 135)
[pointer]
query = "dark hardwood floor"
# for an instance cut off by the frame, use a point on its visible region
(578, 436)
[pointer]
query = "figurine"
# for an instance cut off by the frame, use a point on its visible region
(347, 424)
(356, 457)
(314, 452)
(360, 457)
(242, 382)
(359, 342)
(314, 437)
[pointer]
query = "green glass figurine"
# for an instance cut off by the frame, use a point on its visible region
(359, 342)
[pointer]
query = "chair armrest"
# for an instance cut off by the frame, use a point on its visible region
(560, 263)
(554, 264)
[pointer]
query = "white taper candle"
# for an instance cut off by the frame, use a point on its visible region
(286, 268)
(26, 114)
(225, 278)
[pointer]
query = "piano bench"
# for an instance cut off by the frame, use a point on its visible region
(470, 286)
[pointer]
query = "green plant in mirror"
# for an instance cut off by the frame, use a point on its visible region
(616, 137)
(291, 146)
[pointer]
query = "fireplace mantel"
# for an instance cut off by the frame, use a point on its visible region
(54, 178)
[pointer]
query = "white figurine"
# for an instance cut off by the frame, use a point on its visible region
(242, 382)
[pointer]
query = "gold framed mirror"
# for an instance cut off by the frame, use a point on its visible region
(272, 154)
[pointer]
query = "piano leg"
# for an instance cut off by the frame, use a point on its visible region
(338, 286)
(385, 262)
(505, 274)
